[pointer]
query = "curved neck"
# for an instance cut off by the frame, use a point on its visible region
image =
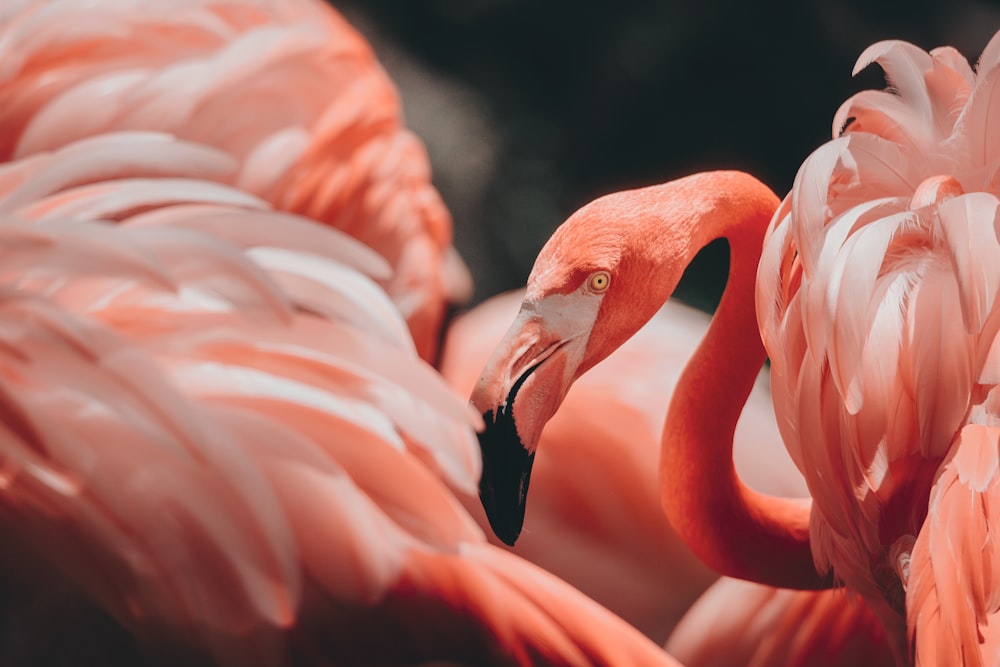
(731, 528)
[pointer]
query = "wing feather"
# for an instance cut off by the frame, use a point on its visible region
(955, 595)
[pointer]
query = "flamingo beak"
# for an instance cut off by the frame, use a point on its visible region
(518, 392)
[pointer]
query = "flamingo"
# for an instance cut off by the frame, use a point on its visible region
(607, 270)
(601, 276)
(289, 89)
(615, 545)
(877, 302)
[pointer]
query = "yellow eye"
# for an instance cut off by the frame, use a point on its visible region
(600, 281)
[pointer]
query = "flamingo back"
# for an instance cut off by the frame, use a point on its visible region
(288, 89)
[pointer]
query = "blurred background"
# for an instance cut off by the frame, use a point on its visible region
(529, 109)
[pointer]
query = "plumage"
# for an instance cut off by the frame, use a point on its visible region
(335, 150)
(739, 623)
(877, 304)
(237, 478)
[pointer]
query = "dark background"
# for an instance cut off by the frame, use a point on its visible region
(531, 109)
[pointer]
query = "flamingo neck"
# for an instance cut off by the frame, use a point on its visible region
(733, 529)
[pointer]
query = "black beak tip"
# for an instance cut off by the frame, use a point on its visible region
(506, 533)
(503, 487)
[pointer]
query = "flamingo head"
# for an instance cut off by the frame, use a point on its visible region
(597, 280)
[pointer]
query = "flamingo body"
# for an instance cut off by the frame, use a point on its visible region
(877, 301)
(217, 428)
(213, 437)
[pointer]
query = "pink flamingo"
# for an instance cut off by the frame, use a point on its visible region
(605, 271)
(288, 89)
(614, 544)
(877, 301)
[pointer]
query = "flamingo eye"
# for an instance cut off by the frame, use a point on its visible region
(600, 281)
